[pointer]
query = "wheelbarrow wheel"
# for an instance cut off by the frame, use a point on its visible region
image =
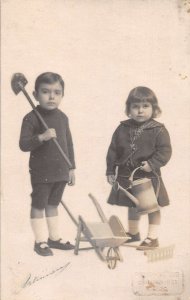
(112, 257)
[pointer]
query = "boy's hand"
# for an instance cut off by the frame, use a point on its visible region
(47, 135)
(145, 166)
(71, 177)
(111, 179)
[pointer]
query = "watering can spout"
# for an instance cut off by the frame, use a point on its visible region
(117, 186)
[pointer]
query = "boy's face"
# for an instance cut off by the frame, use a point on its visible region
(49, 95)
(141, 111)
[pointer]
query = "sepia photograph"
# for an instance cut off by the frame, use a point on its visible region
(95, 143)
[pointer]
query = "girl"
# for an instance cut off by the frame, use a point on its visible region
(141, 142)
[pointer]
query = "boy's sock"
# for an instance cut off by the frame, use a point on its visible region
(53, 228)
(39, 229)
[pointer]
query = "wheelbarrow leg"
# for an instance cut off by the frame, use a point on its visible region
(119, 254)
(79, 231)
(85, 231)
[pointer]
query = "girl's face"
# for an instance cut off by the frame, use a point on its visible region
(141, 111)
(49, 95)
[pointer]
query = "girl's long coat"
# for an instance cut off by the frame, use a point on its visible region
(131, 144)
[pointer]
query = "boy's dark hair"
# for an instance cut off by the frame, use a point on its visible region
(49, 77)
(141, 94)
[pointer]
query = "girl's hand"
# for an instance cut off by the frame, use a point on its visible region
(111, 179)
(145, 166)
(71, 177)
(47, 135)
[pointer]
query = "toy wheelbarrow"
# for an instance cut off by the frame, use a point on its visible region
(107, 234)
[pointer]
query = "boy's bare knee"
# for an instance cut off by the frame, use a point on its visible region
(51, 210)
(36, 213)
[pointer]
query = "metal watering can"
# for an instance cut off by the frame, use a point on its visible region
(142, 193)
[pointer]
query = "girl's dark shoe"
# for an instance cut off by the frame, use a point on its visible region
(148, 244)
(60, 245)
(42, 249)
(133, 237)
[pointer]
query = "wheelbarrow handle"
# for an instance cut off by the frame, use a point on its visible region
(45, 126)
(69, 213)
(99, 210)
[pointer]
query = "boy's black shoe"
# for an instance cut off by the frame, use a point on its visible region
(148, 243)
(133, 237)
(42, 249)
(60, 245)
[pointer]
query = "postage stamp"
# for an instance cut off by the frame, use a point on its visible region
(158, 283)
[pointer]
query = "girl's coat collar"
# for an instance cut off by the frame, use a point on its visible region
(149, 124)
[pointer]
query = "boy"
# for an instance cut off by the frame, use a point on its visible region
(48, 169)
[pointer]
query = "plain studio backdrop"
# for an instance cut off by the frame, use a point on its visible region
(102, 49)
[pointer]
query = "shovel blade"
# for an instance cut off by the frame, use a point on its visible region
(18, 82)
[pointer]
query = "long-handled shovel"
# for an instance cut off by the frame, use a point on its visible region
(18, 83)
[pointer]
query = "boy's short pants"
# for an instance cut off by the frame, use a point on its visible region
(47, 193)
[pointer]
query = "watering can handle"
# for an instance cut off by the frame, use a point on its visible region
(157, 177)
(132, 174)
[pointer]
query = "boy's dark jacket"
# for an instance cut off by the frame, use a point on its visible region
(129, 147)
(46, 163)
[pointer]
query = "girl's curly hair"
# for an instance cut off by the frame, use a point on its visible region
(143, 94)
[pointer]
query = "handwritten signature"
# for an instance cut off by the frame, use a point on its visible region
(34, 279)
